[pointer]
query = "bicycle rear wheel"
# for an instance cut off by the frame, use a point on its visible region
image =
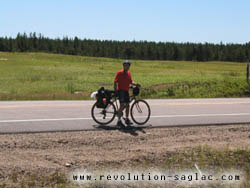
(140, 112)
(103, 116)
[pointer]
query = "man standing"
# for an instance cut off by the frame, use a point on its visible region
(121, 85)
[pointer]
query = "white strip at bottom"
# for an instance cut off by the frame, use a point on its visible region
(37, 120)
(89, 118)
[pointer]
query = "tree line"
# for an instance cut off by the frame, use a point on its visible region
(144, 50)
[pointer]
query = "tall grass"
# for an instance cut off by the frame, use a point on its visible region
(49, 76)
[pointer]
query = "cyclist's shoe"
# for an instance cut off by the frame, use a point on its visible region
(120, 124)
(128, 122)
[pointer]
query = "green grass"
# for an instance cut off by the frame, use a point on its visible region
(28, 76)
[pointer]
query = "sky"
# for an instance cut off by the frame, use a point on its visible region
(212, 21)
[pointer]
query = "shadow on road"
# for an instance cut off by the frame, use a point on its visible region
(133, 130)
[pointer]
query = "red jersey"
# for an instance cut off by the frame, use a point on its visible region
(123, 79)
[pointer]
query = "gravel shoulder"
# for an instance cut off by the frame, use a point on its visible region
(43, 153)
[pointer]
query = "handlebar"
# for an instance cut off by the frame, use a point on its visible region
(136, 85)
(115, 92)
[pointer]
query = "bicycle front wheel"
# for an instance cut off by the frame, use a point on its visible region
(103, 116)
(140, 112)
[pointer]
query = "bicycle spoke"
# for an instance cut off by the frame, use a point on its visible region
(138, 108)
(140, 112)
(103, 116)
(110, 113)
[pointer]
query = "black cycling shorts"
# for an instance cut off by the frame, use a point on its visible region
(123, 96)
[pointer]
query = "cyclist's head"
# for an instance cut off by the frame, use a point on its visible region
(126, 62)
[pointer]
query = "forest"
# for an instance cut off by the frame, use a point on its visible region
(143, 50)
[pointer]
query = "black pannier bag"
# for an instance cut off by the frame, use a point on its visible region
(103, 97)
(136, 91)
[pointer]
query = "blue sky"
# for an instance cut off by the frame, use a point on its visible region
(152, 20)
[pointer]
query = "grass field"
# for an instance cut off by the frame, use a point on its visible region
(41, 76)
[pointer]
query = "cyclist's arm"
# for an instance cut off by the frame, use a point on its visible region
(132, 82)
(135, 84)
(115, 86)
(116, 81)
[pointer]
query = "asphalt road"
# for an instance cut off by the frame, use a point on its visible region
(46, 116)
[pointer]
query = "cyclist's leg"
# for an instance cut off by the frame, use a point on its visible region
(122, 106)
(119, 112)
(126, 98)
(124, 103)
(127, 111)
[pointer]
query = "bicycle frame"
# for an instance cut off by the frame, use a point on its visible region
(112, 108)
(131, 99)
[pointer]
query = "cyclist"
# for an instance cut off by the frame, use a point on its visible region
(121, 85)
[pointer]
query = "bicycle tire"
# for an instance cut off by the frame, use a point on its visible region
(96, 119)
(139, 103)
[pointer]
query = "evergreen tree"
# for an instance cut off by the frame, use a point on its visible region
(127, 49)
